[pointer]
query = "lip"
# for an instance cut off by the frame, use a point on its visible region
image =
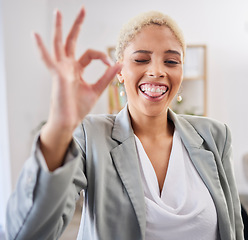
(150, 98)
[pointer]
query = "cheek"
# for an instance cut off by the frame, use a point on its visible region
(131, 74)
(130, 86)
(131, 81)
(177, 76)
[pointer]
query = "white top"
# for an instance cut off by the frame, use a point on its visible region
(185, 209)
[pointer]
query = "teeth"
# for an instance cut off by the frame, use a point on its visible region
(153, 90)
(159, 90)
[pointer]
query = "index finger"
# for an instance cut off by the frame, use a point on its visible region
(90, 55)
(71, 39)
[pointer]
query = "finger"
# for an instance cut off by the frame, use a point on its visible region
(90, 55)
(70, 44)
(108, 76)
(57, 38)
(43, 51)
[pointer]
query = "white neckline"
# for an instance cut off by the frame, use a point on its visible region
(149, 169)
(184, 198)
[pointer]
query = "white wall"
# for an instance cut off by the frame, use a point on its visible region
(221, 25)
(5, 180)
(27, 79)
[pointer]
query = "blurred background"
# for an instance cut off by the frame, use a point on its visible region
(221, 26)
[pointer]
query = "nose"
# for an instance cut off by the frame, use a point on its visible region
(156, 70)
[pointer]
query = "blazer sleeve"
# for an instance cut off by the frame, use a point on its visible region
(43, 202)
(228, 167)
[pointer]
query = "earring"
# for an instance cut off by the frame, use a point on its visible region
(179, 98)
(122, 93)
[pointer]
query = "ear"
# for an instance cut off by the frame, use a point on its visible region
(120, 77)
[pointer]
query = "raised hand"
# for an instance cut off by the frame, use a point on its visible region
(72, 98)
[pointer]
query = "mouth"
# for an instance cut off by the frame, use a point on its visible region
(152, 90)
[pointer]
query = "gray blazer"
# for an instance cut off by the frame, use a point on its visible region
(102, 160)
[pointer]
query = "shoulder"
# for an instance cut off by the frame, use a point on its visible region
(205, 125)
(212, 131)
(99, 121)
(94, 128)
(95, 125)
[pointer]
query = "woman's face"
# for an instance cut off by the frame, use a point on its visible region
(152, 70)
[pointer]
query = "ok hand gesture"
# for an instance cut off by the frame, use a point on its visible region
(72, 98)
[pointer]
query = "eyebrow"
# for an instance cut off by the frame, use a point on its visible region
(173, 52)
(143, 51)
(150, 52)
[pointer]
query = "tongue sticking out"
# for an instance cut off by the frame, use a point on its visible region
(153, 90)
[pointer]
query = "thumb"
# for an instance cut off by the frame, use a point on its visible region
(107, 77)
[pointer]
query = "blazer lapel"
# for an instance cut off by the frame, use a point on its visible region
(204, 162)
(125, 158)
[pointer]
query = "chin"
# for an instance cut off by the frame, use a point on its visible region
(155, 111)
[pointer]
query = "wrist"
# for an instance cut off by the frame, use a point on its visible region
(54, 142)
(56, 133)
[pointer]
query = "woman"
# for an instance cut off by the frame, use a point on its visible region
(147, 173)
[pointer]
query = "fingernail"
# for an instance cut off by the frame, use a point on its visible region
(83, 8)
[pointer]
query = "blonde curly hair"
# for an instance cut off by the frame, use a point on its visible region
(134, 26)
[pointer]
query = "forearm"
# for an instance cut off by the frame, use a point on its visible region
(41, 198)
(54, 142)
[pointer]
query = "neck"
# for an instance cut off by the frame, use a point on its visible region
(152, 126)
